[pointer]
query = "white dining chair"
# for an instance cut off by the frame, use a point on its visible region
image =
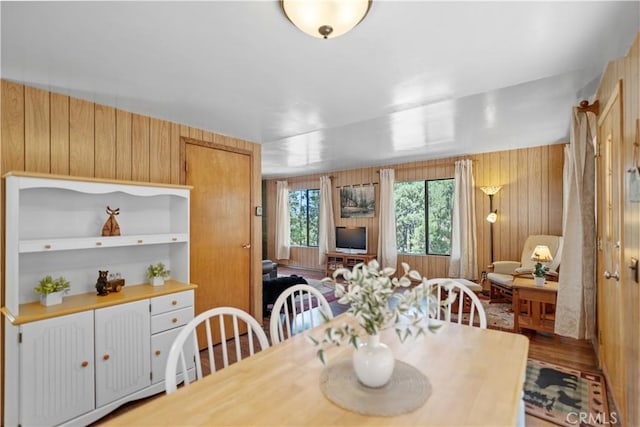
(189, 337)
(462, 301)
(297, 309)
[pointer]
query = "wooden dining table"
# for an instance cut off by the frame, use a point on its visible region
(476, 377)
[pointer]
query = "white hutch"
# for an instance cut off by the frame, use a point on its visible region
(75, 362)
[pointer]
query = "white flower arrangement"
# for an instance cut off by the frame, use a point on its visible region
(377, 300)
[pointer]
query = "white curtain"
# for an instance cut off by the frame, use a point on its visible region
(282, 220)
(326, 226)
(576, 310)
(387, 246)
(463, 262)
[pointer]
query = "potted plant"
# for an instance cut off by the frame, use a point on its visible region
(369, 290)
(52, 290)
(539, 273)
(157, 273)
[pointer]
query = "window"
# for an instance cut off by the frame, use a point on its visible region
(303, 213)
(423, 216)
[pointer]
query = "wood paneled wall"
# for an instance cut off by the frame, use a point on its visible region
(628, 70)
(48, 132)
(530, 202)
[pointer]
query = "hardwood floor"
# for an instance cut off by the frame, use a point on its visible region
(577, 354)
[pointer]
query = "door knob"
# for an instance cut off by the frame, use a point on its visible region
(608, 275)
(247, 246)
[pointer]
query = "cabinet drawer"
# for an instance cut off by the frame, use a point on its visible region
(160, 346)
(171, 319)
(171, 302)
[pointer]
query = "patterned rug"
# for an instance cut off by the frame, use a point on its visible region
(499, 316)
(326, 289)
(565, 396)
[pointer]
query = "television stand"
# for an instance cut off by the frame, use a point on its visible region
(336, 260)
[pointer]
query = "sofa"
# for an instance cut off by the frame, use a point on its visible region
(269, 269)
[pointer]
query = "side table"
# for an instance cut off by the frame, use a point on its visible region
(534, 307)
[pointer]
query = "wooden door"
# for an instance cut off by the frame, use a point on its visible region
(610, 269)
(220, 226)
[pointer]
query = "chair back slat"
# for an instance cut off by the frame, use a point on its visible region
(461, 297)
(293, 312)
(188, 338)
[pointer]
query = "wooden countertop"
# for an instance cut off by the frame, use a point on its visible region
(34, 311)
(476, 375)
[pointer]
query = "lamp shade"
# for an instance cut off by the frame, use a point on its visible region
(325, 18)
(541, 254)
(492, 217)
(491, 190)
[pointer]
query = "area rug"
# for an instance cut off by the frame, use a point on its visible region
(326, 289)
(499, 316)
(565, 396)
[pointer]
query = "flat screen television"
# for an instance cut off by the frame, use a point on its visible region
(351, 240)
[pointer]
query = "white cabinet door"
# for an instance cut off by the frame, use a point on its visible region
(122, 335)
(56, 369)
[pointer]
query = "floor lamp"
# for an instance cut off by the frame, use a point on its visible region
(493, 215)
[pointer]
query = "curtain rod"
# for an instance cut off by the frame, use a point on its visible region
(584, 107)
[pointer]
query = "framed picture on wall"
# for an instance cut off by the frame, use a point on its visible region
(358, 202)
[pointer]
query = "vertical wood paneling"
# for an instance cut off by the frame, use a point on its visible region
(37, 155)
(176, 165)
(105, 142)
(544, 186)
(534, 190)
(139, 148)
(197, 134)
(502, 201)
(123, 145)
(160, 151)
(81, 138)
(12, 127)
(556, 162)
(59, 134)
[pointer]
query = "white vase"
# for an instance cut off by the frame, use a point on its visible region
(373, 362)
(539, 281)
(157, 281)
(51, 299)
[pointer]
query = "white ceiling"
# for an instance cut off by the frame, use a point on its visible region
(415, 80)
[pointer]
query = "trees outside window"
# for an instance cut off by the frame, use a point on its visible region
(423, 216)
(303, 213)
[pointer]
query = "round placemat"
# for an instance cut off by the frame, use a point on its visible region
(407, 390)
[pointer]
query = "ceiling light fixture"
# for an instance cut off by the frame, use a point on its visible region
(325, 18)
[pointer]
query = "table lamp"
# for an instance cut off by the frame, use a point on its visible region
(540, 254)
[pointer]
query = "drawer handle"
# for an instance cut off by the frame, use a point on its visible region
(157, 352)
(139, 241)
(174, 302)
(98, 243)
(105, 357)
(175, 239)
(47, 246)
(84, 364)
(174, 320)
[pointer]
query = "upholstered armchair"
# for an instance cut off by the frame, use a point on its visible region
(504, 271)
